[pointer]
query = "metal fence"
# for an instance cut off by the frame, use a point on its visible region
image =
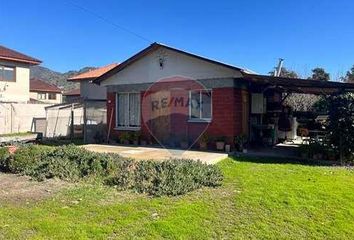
(63, 120)
(95, 121)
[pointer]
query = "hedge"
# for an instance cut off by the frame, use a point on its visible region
(71, 163)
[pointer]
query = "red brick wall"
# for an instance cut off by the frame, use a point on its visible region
(226, 116)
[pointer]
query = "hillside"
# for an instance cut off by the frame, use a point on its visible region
(57, 78)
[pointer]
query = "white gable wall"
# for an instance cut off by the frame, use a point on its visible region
(148, 70)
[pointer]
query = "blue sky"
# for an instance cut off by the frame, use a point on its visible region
(252, 34)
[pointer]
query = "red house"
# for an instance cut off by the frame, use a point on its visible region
(169, 95)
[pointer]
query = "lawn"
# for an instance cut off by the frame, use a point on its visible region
(259, 199)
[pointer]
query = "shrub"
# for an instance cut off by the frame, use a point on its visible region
(4, 159)
(71, 163)
(170, 177)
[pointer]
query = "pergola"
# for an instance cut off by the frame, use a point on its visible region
(298, 85)
(268, 85)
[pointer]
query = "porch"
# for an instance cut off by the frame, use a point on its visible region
(273, 121)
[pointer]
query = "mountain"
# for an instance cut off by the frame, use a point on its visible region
(57, 78)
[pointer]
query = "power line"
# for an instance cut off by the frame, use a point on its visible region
(108, 21)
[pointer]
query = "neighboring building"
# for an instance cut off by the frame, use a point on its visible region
(91, 91)
(221, 100)
(72, 96)
(15, 75)
(44, 92)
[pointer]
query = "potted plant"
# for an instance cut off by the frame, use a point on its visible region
(11, 149)
(143, 142)
(240, 142)
(184, 142)
(220, 143)
(136, 136)
(124, 138)
(203, 141)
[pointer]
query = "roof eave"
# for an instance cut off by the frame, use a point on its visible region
(80, 79)
(37, 62)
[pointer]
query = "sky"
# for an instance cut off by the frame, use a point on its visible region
(68, 35)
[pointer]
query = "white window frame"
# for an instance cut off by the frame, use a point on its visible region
(40, 94)
(2, 68)
(52, 94)
(190, 119)
(131, 128)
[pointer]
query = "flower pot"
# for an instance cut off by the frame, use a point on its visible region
(143, 142)
(203, 146)
(184, 145)
(11, 149)
(136, 142)
(227, 148)
(220, 146)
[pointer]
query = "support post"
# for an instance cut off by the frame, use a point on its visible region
(72, 122)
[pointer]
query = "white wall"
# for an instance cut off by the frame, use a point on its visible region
(147, 69)
(16, 91)
(59, 98)
(19, 117)
(92, 91)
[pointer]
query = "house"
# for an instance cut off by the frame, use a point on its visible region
(88, 90)
(43, 92)
(72, 96)
(173, 96)
(15, 75)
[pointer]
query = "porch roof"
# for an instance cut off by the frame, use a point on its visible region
(298, 85)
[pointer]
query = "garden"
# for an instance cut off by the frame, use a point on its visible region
(258, 198)
(72, 163)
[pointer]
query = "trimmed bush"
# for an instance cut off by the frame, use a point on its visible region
(71, 163)
(170, 177)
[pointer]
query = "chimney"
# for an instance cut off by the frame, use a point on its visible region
(278, 69)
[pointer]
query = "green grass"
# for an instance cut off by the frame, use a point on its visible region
(257, 200)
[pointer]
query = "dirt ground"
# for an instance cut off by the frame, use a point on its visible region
(21, 189)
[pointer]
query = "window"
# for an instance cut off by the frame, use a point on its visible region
(128, 110)
(41, 96)
(52, 96)
(7, 74)
(200, 105)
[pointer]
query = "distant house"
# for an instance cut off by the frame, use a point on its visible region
(89, 90)
(15, 75)
(44, 92)
(72, 96)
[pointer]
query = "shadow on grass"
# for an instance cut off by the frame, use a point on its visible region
(61, 141)
(283, 160)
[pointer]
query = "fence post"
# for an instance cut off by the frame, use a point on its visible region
(85, 122)
(72, 122)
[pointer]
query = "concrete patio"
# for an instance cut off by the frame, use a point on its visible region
(155, 153)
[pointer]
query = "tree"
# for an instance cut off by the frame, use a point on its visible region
(341, 125)
(319, 74)
(286, 73)
(349, 77)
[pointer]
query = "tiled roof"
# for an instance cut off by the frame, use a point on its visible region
(37, 85)
(93, 73)
(12, 55)
(74, 92)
